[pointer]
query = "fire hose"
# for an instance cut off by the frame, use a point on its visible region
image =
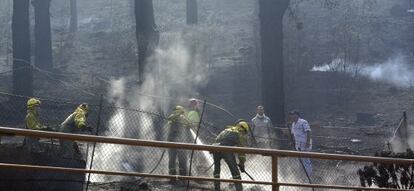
(245, 172)
(158, 163)
(195, 142)
(250, 176)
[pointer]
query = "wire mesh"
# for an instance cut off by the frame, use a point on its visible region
(326, 172)
(139, 124)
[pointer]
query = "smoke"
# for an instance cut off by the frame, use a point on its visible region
(395, 71)
(172, 72)
(116, 92)
(403, 139)
(172, 76)
(116, 123)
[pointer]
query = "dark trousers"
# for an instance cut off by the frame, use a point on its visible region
(230, 159)
(173, 154)
(178, 133)
(67, 145)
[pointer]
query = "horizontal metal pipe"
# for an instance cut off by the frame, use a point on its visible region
(164, 144)
(119, 173)
(179, 177)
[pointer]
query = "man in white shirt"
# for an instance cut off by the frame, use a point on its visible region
(302, 134)
(262, 128)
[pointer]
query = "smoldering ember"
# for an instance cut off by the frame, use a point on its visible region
(253, 95)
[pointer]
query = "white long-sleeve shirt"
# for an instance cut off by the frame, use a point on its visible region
(300, 129)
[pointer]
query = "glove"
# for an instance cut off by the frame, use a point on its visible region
(241, 167)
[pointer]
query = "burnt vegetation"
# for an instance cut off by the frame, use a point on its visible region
(389, 175)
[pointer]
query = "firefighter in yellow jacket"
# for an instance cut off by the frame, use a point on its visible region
(232, 136)
(179, 131)
(75, 122)
(193, 114)
(33, 123)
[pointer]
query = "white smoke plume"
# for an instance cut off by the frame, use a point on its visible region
(395, 71)
(173, 71)
(172, 76)
(402, 139)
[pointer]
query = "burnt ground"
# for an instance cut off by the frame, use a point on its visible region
(332, 109)
(148, 185)
(13, 179)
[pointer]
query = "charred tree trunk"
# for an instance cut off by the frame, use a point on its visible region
(146, 33)
(22, 70)
(43, 36)
(271, 32)
(192, 13)
(73, 16)
(147, 39)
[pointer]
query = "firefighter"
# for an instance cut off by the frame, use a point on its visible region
(75, 122)
(179, 131)
(33, 123)
(193, 113)
(232, 136)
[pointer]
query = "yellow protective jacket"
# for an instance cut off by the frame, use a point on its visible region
(32, 120)
(179, 118)
(193, 117)
(76, 119)
(80, 118)
(179, 128)
(233, 136)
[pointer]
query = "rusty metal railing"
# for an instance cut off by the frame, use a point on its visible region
(274, 154)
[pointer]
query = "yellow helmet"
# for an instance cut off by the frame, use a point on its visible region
(244, 125)
(84, 107)
(32, 102)
(179, 109)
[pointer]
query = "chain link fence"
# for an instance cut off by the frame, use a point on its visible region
(112, 121)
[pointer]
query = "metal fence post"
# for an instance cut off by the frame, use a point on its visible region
(94, 144)
(195, 141)
(275, 181)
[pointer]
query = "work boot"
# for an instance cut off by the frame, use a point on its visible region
(216, 186)
(238, 186)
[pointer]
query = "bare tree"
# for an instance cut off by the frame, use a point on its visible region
(271, 32)
(271, 14)
(22, 70)
(43, 36)
(146, 33)
(192, 13)
(73, 16)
